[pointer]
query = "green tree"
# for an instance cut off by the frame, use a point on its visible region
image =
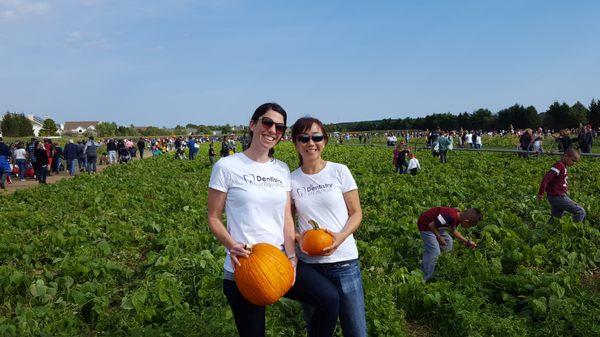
(48, 128)
(594, 113)
(226, 129)
(16, 125)
(482, 119)
(577, 115)
(519, 116)
(105, 129)
(557, 116)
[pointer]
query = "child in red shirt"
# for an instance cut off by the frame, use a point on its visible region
(554, 184)
(433, 225)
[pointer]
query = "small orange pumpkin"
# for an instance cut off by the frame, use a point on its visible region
(264, 276)
(316, 239)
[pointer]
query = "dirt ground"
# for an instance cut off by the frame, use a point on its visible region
(29, 183)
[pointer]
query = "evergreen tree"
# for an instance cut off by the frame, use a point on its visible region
(48, 128)
(577, 115)
(594, 113)
(16, 125)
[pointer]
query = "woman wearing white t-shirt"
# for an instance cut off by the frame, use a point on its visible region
(254, 190)
(326, 193)
(20, 160)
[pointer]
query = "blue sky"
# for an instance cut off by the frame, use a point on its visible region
(213, 62)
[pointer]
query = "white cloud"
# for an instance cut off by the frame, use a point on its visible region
(90, 40)
(74, 37)
(14, 9)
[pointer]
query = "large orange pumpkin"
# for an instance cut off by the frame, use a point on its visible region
(316, 239)
(264, 276)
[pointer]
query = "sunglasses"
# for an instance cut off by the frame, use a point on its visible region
(268, 123)
(315, 138)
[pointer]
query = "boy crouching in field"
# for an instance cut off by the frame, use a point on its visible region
(554, 184)
(432, 226)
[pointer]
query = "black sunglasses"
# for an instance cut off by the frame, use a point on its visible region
(268, 123)
(315, 138)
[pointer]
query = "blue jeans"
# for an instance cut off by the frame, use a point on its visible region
(72, 165)
(346, 277)
(21, 163)
(562, 203)
(431, 251)
(310, 287)
(91, 164)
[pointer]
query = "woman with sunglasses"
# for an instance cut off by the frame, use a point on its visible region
(325, 192)
(254, 190)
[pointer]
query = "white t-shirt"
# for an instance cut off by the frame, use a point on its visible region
(320, 197)
(413, 163)
(20, 154)
(256, 198)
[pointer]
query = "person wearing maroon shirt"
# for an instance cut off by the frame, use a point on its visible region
(554, 184)
(433, 225)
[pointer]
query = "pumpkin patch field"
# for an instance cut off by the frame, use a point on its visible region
(128, 252)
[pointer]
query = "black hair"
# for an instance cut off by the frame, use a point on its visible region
(304, 124)
(263, 109)
(474, 215)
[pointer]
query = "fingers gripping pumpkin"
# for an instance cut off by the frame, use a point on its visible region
(316, 239)
(265, 275)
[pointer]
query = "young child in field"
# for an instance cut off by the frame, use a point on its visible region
(554, 184)
(413, 165)
(104, 159)
(434, 225)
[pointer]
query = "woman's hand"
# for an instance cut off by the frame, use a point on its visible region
(238, 250)
(338, 238)
(300, 240)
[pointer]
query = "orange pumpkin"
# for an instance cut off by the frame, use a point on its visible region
(316, 239)
(264, 276)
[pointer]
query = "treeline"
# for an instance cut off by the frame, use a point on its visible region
(557, 116)
(111, 129)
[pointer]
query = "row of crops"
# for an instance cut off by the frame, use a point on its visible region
(128, 252)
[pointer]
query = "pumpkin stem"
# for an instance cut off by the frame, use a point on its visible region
(314, 224)
(248, 246)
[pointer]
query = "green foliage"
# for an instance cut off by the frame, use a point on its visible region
(594, 113)
(48, 128)
(106, 129)
(16, 125)
(128, 252)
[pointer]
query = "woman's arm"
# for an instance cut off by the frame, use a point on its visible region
(289, 232)
(355, 217)
(216, 204)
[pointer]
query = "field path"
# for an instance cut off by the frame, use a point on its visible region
(30, 183)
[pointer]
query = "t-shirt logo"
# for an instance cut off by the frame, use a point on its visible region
(257, 180)
(313, 189)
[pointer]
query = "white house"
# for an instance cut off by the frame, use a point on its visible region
(80, 128)
(37, 123)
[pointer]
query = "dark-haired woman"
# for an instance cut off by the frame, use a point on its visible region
(254, 190)
(325, 192)
(41, 162)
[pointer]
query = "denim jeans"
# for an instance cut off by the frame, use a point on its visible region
(431, 251)
(112, 157)
(443, 154)
(562, 203)
(346, 277)
(310, 287)
(91, 164)
(72, 166)
(22, 163)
